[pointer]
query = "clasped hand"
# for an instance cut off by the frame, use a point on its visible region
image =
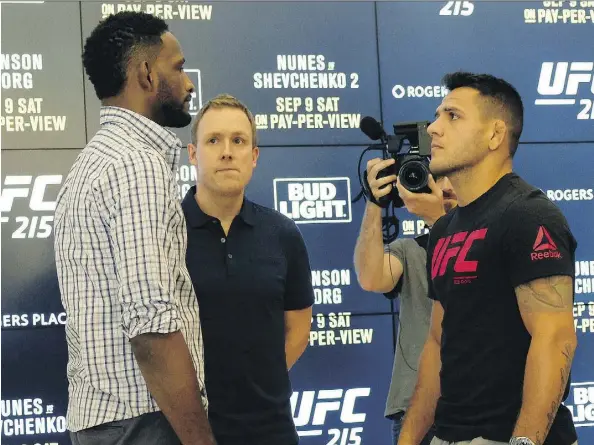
(428, 206)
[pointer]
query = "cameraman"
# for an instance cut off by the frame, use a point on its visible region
(401, 266)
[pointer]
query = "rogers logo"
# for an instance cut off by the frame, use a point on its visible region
(419, 91)
(570, 195)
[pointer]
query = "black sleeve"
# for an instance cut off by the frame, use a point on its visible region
(538, 242)
(431, 291)
(430, 248)
(298, 287)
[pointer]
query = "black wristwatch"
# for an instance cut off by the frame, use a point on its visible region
(520, 441)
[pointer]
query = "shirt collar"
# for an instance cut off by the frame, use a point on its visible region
(197, 218)
(158, 137)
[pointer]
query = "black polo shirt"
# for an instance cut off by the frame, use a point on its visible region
(245, 282)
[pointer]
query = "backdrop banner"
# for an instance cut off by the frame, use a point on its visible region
(309, 71)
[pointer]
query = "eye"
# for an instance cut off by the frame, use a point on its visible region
(238, 140)
(453, 115)
(212, 140)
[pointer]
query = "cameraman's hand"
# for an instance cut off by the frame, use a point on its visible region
(382, 186)
(427, 206)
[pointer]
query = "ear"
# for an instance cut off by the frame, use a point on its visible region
(146, 77)
(255, 155)
(498, 134)
(192, 154)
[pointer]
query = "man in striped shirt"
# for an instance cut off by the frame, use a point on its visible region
(135, 365)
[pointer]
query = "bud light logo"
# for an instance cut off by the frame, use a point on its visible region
(581, 403)
(314, 200)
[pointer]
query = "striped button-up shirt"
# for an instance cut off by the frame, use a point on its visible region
(120, 246)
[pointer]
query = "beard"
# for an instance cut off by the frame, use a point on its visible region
(444, 169)
(169, 111)
(443, 166)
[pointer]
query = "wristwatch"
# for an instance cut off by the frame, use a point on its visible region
(520, 441)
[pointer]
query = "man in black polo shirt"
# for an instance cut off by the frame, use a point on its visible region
(250, 269)
(496, 364)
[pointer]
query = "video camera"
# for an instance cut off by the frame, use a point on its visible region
(412, 167)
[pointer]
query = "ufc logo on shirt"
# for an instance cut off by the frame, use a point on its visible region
(455, 248)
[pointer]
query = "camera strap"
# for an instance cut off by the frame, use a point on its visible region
(369, 194)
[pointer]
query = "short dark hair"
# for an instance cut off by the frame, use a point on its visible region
(503, 97)
(113, 43)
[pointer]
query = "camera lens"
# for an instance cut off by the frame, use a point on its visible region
(414, 175)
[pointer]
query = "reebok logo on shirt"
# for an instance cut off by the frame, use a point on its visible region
(544, 247)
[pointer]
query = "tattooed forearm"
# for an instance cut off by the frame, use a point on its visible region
(567, 352)
(546, 307)
(547, 367)
(551, 294)
(564, 374)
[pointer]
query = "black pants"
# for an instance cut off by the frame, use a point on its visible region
(147, 429)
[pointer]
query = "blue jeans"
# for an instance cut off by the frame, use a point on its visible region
(397, 426)
(146, 429)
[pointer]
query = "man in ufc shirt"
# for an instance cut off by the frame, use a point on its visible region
(497, 361)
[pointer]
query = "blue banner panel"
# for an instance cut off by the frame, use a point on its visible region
(569, 183)
(299, 67)
(315, 187)
(34, 387)
(40, 74)
(341, 382)
(526, 43)
(31, 180)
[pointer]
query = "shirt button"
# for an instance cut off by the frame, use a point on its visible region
(223, 240)
(230, 256)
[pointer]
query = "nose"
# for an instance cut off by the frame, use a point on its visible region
(227, 153)
(434, 128)
(189, 85)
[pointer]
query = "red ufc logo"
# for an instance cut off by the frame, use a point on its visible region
(449, 247)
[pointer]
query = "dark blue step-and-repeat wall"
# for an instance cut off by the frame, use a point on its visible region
(309, 71)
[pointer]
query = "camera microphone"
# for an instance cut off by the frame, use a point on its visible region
(372, 129)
